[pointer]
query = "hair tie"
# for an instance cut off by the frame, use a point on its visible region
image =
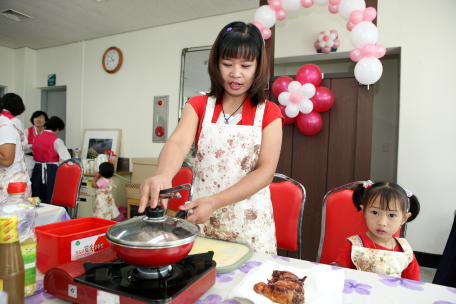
(408, 192)
(229, 29)
(367, 184)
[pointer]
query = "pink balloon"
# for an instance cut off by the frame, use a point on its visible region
(336, 43)
(307, 3)
(333, 9)
(281, 85)
(350, 26)
(288, 120)
(316, 46)
(334, 2)
(334, 32)
(356, 17)
(369, 50)
(258, 25)
(326, 38)
(295, 98)
(281, 14)
(266, 33)
(309, 73)
(275, 4)
(323, 99)
(380, 51)
(369, 14)
(326, 50)
(310, 124)
(356, 55)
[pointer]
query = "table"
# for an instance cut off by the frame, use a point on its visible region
(359, 287)
(48, 214)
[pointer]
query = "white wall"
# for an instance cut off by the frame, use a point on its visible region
(7, 69)
(152, 63)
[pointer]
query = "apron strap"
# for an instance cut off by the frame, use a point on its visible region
(259, 115)
(209, 110)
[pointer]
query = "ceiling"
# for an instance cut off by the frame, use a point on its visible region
(59, 22)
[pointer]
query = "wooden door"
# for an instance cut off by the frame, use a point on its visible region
(340, 153)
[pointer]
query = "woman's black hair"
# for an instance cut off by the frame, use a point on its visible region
(239, 40)
(13, 103)
(106, 170)
(38, 114)
(54, 123)
(387, 192)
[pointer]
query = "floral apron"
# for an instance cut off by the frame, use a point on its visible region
(7, 176)
(105, 206)
(226, 154)
(381, 261)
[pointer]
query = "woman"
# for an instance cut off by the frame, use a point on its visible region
(12, 141)
(38, 119)
(48, 152)
(238, 136)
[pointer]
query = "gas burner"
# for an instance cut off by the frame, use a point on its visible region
(152, 273)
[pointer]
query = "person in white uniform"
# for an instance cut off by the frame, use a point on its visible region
(238, 136)
(38, 119)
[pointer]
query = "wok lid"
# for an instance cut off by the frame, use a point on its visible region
(153, 230)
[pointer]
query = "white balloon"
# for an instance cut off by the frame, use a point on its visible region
(320, 37)
(305, 106)
(364, 32)
(322, 44)
(329, 43)
(332, 36)
(346, 7)
(294, 86)
(284, 98)
(368, 70)
(321, 2)
(292, 110)
(266, 16)
(327, 33)
(307, 91)
(291, 5)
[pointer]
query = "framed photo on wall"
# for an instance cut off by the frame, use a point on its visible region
(97, 141)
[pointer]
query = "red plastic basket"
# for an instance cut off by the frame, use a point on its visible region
(62, 242)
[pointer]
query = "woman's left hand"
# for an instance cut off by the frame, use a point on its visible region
(202, 209)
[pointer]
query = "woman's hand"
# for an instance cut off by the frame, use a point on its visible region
(150, 190)
(202, 209)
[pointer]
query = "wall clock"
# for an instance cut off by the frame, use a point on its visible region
(112, 60)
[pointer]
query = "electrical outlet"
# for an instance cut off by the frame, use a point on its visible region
(385, 147)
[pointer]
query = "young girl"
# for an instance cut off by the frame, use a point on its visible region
(386, 207)
(238, 136)
(105, 206)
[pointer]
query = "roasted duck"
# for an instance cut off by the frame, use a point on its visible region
(284, 288)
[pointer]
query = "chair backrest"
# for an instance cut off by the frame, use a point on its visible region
(340, 220)
(67, 185)
(288, 199)
(184, 176)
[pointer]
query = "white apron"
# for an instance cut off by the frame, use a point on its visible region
(381, 261)
(226, 154)
(105, 207)
(7, 176)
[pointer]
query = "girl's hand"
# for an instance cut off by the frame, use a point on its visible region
(202, 209)
(150, 190)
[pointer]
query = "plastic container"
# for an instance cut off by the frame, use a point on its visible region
(67, 241)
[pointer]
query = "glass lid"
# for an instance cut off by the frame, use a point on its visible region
(153, 230)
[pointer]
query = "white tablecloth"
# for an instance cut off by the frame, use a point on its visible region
(48, 214)
(359, 287)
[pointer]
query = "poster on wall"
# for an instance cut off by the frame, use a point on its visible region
(97, 141)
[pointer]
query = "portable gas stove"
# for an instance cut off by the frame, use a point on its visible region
(103, 278)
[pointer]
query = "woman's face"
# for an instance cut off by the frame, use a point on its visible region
(237, 74)
(39, 121)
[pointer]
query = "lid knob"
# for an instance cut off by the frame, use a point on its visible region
(155, 213)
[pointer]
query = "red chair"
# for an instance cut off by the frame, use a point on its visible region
(339, 220)
(288, 198)
(184, 176)
(67, 185)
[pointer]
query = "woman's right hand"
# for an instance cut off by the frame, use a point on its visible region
(150, 190)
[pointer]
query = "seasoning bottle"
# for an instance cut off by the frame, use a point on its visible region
(11, 263)
(17, 205)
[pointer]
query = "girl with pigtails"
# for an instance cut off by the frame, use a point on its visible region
(386, 207)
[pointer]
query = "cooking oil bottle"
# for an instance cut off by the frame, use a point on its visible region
(17, 205)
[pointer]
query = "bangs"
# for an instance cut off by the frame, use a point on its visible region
(239, 46)
(386, 195)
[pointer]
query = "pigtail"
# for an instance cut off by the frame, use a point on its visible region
(414, 208)
(358, 195)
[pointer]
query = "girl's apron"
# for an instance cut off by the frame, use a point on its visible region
(29, 161)
(7, 176)
(105, 206)
(226, 154)
(380, 261)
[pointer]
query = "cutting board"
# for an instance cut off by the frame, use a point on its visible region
(229, 256)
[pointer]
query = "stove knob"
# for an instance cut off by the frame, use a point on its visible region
(159, 131)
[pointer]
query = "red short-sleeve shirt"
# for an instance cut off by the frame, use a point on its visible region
(199, 103)
(412, 272)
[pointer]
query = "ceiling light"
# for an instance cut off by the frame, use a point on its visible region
(15, 15)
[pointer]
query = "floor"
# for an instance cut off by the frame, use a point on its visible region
(427, 274)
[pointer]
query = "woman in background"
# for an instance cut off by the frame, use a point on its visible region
(38, 119)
